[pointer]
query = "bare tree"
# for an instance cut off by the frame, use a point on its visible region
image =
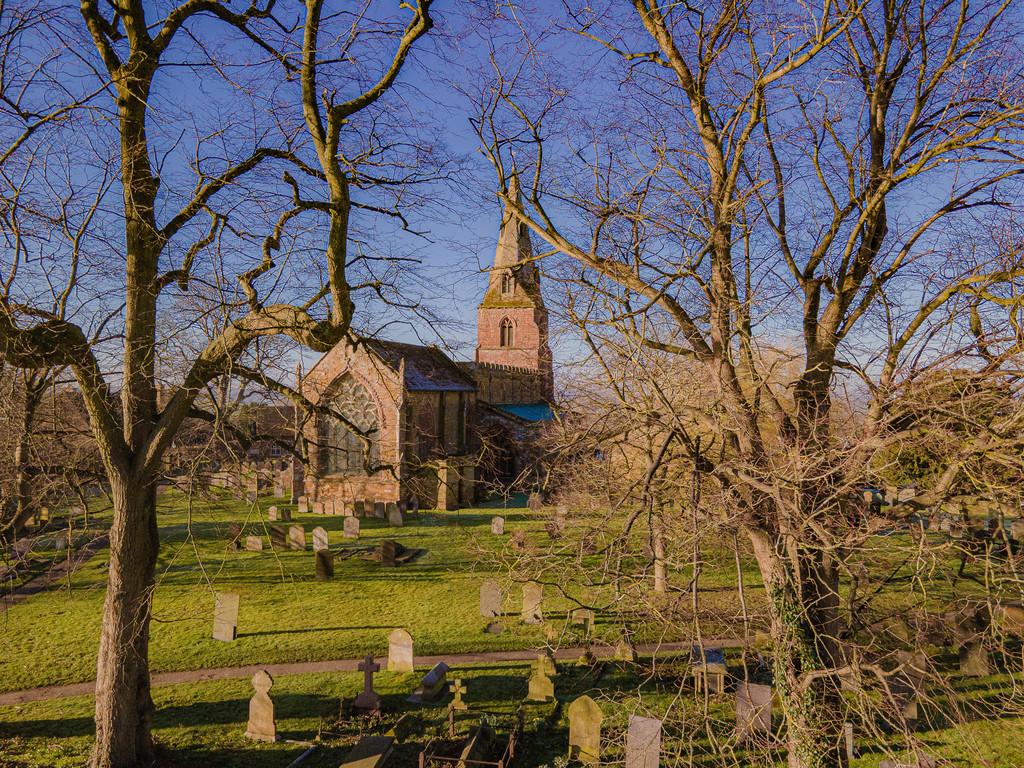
(808, 178)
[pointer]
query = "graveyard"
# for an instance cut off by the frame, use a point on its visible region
(413, 663)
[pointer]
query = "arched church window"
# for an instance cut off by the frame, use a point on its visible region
(508, 283)
(346, 451)
(507, 333)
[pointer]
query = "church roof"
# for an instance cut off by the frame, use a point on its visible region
(528, 411)
(427, 369)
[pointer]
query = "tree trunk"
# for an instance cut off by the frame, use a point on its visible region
(124, 707)
(658, 547)
(804, 616)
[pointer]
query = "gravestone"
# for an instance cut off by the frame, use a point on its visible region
(432, 684)
(297, 537)
(583, 617)
(368, 700)
(225, 616)
(272, 514)
(518, 541)
(394, 515)
(643, 742)
(400, 651)
(533, 595)
(350, 528)
(624, 649)
(254, 543)
(458, 688)
(324, 565)
(498, 525)
(540, 687)
(261, 725)
(534, 502)
(490, 599)
(370, 752)
(906, 684)
(386, 550)
(848, 741)
(753, 711)
(320, 539)
(318, 508)
(380, 510)
(234, 536)
(357, 508)
(303, 505)
(278, 537)
(585, 731)
(414, 505)
(974, 659)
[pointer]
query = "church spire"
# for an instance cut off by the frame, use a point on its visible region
(514, 278)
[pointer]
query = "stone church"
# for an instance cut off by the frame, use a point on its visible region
(426, 427)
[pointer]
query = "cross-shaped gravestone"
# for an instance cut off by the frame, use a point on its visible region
(540, 687)
(457, 688)
(368, 699)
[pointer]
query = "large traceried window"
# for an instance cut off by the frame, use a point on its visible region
(506, 332)
(346, 452)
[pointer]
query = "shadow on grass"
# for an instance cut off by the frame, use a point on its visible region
(313, 629)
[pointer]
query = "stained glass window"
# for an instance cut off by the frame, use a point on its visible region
(346, 452)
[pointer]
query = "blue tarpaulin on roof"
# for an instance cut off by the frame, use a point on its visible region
(528, 411)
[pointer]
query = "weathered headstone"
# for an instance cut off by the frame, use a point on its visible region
(540, 687)
(400, 651)
(350, 528)
(303, 504)
(370, 752)
(490, 599)
(234, 536)
(583, 617)
(534, 502)
(533, 595)
(848, 741)
(278, 537)
(387, 550)
(974, 659)
(624, 649)
(380, 510)
(585, 731)
(254, 543)
(297, 537)
(518, 541)
(906, 684)
(753, 710)
(395, 519)
(498, 525)
(318, 508)
(261, 725)
(357, 508)
(432, 684)
(643, 742)
(368, 698)
(458, 689)
(225, 616)
(324, 565)
(320, 539)
(272, 514)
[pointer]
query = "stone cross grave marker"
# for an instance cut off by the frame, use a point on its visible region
(350, 528)
(643, 742)
(498, 525)
(261, 725)
(490, 599)
(540, 687)
(533, 595)
(234, 536)
(458, 688)
(400, 651)
(432, 684)
(387, 550)
(368, 699)
(225, 616)
(278, 537)
(320, 539)
(254, 543)
(297, 537)
(303, 503)
(753, 711)
(395, 519)
(324, 565)
(585, 731)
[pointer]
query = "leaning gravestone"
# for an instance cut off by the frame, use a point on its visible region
(320, 539)
(753, 711)
(324, 565)
(225, 616)
(400, 651)
(261, 725)
(643, 742)
(387, 550)
(490, 599)
(432, 685)
(297, 537)
(585, 731)
(254, 543)
(278, 537)
(370, 752)
(394, 515)
(533, 595)
(350, 528)
(498, 525)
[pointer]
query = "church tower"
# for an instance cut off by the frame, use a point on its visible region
(512, 322)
